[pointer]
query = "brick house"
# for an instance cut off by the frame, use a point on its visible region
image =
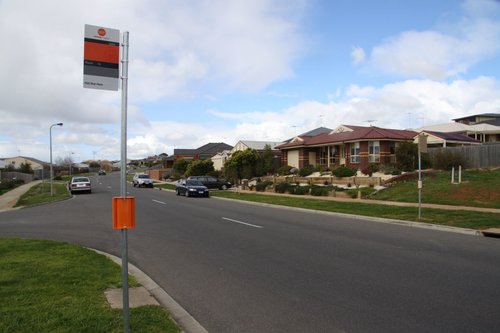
(354, 146)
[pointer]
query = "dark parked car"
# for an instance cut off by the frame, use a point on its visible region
(212, 182)
(79, 184)
(102, 172)
(190, 188)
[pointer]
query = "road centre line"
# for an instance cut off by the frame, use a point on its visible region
(240, 222)
(160, 202)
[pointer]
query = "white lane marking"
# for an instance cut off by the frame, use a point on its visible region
(160, 202)
(240, 222)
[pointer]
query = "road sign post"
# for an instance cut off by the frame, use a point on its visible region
(101, 71)
(422, 148)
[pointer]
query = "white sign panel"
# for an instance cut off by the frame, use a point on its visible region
(101, 59)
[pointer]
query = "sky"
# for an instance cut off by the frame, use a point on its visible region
(205, 71)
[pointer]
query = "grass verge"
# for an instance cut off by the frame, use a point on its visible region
(479, 188)
(40, 193)
(52, 286)
(455, 218)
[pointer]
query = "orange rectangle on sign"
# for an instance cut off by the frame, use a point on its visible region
(101, 52)
(123, 213)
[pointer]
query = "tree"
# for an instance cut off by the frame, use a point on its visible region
(200, 168)
(265, 164)
(25, 168)
(180, 166)
(407, 156)
(242, 164)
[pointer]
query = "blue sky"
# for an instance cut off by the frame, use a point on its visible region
(222, 71)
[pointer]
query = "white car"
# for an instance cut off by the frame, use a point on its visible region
(79, 184)
(141, 179)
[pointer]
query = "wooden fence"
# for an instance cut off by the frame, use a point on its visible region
(483, 156)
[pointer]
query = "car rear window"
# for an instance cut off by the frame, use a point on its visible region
(143, 176)
(80, 180)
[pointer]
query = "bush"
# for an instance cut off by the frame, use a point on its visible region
(343, 171)
(446, 159)
(299, 190)
(282, 187)
(284, 170)
(6, 186)
(321, 191)
(307, 170)
(261, 186)
(367, 171)
(407, 156)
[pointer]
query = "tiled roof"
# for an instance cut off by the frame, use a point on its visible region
(208, 149)
(359, 133)
(494, 115)
(452, 136)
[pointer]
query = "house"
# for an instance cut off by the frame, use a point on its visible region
(15, 162)
(259, 146)
(440, 139)
(484, 127)
(354, 146)
(202, 153)
(478, 118)
(220, 158)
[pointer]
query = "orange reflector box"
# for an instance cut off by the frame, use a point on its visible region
(123, 213)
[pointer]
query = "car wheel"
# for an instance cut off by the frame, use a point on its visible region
(223, 187)
(133, 184)
(178, 192)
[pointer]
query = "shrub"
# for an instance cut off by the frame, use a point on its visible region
(446, 159)
(284, 170)
(367, 171)
(321, 191)
(307, 170)
(407, 156)
(298, 190)
(261, 186)
(282, 187)
(343, 171)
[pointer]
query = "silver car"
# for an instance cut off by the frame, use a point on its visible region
(80, 184)
(141, 179)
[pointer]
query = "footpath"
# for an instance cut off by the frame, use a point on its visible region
(9, 199)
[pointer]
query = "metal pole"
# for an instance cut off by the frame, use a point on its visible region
(51, 173)
(419, 186)
(123, 174)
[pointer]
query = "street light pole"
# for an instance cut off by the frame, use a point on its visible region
(51, 173)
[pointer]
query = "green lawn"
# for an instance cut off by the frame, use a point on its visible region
(40, 193)
(456, 218)
(478, 189)
(51, 286)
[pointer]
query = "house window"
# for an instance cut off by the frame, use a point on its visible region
(322, 155)
(392, 150)
(333, 154)
(374, 151)
(355, 152)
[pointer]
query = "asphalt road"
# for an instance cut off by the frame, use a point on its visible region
(238, 267)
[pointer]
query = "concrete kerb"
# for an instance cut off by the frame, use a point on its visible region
(179, 314)
(438, 227)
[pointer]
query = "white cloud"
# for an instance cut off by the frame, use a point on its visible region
(178, 50)
(439, 55)
(358, 55)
